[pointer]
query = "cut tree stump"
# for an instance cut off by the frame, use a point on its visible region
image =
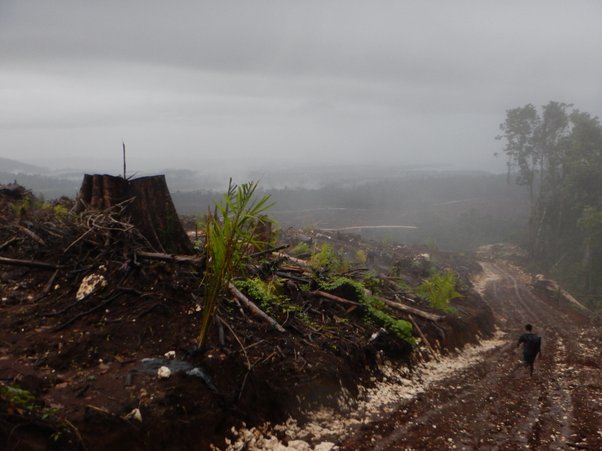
(151, 211)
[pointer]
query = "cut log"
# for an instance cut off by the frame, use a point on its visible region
(246, 302)
(332, 297)
(413, 310)
(298, 261)
(152, 211)
(194, 259)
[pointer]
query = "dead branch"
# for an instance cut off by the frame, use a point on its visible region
(82, 314)
(48, 285)
(254, 309)
(295, 269)
(31, 235)
(169, 257)
(269, 251)
(29, 263)
(78, 239)
(242, 347)
(292, 277)
(156, 305)
(354, 270)
(8, 243)
(424, 339)
(332, 297)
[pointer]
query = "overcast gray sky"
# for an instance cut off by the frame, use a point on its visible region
(195, 83)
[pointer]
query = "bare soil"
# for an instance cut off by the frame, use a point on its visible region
(494, 404)
(83, 359)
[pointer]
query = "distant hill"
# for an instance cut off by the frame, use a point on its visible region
(17, 167)
(36, 178)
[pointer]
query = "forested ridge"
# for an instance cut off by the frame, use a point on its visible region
(556, 153)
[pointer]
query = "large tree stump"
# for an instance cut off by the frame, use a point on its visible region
(151, 210)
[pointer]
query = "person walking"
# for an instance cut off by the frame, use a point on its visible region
(531, 347)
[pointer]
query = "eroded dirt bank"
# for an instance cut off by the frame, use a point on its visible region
(493, 404)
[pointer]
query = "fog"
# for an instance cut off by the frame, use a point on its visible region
(272, 84)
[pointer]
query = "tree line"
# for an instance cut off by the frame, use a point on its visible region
(556, 153)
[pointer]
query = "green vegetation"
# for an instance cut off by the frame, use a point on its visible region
(372, 282)
(360, 257)
(229, 233)
(21, 206)
(557, 155)
(60, 211)
(18, 398)
(266, 294)
(300, 249)
(439, 289)
(327, 259)
(23, 402)
(376, 309)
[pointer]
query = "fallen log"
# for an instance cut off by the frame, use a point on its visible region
(29, 263)
(269, 251)
(292, 277)
(332, 297)
(407, 309)
(245, 301)
(170, 257)
(298, 261)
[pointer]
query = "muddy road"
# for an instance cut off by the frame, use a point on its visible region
(494, 404)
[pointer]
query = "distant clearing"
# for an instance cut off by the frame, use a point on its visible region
(370, 227)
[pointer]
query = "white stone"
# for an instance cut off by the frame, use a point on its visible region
(135, 414)
(163, 373)
(324, 446)
(90, 284)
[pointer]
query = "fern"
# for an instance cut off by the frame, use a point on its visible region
(326, 259)
(439, 289)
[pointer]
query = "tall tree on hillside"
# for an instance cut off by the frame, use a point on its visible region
(585, 191)
(551, 144)
(558, 155)
(591, 223)
(519, 132)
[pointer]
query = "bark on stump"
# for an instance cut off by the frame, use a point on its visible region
(152, 211)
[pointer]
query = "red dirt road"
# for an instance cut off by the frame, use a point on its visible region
(495, 405)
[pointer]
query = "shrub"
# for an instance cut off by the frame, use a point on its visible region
(263, 293)
(361, 257)
(300, 249)
(60, 211)
(326, 259)
(439, 289)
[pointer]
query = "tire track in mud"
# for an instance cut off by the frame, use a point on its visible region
(555, 403)
(495, 404)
